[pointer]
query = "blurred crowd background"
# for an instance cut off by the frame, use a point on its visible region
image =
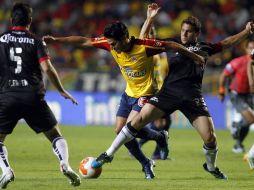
(94, 70)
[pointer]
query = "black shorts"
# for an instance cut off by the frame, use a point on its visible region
(33, 109)
(192, 105)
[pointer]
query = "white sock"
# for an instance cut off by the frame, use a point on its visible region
(211, 156)
(60, 149)
(123, 137)
(4, 163)
(251, 152)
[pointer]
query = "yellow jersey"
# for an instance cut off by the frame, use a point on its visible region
(137, 65)
(161, 68)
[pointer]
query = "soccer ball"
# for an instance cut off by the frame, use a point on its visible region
(86, 170)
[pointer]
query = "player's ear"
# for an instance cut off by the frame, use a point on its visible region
(30, 20)
(11, 21)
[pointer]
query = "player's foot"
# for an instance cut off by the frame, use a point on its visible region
(216, 173)
(6, 178)
(250, 161)
(238, 149)
(163, 145)
(71, 175)
(148, 169)
(102, 159)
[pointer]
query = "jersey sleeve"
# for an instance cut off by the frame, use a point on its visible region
(213, 48)
(100, 43)
(231, 67)
(153, 47)
(42, 51)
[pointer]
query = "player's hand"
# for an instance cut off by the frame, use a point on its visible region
(250, 27)
(221, 95)
(66, 95)
(48, 39)
(152, 10)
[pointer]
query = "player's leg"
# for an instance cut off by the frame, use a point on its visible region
(9, 104)
(243, 105)
(161, 124)
(60, 148)
(205, 128)
(133, 146)
(7, 172)
(41, 119)
(129, 132)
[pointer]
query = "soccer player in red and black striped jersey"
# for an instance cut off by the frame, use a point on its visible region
(135, 60)
(239, 94)
(23, 58)
(182, 91)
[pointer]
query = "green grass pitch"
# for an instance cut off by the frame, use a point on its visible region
(36, 167)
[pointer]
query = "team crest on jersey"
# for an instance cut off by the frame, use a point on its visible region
(158, 44)
(142, 101)
(134, 59)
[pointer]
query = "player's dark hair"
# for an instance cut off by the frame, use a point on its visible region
(21, 14)
(249, 40)
(116, 31)
(194, 22)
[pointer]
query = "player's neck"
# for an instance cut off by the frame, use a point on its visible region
(20, 27)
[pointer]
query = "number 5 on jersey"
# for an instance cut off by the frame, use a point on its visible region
(16, 58)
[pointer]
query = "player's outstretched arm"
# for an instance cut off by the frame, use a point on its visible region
(152, 11)
(183, 50)
(70, 40)
(48, 68)
(235, 39)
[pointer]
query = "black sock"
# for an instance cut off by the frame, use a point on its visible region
(149, 134)
(131, 129)
(243, 133)
(135, 150)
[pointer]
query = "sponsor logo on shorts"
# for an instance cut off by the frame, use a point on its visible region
(155, 99)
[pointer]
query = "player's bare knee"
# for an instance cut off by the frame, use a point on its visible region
(211, 142)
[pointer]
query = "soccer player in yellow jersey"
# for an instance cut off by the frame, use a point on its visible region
(135, 60)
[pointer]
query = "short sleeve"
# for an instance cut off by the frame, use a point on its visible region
(100, 43)
(229, 70)
(153, 47)
(42, 51)
(214, 48)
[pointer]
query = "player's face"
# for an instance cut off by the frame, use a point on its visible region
(249, 48)
(188, 34)
(117, 45)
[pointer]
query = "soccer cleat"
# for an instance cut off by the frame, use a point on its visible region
(148, 169)
(238, 149)
(6, 179)
(102, 159)
(163, 146)
(250, 161)
(216, 173)
(71, 175)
